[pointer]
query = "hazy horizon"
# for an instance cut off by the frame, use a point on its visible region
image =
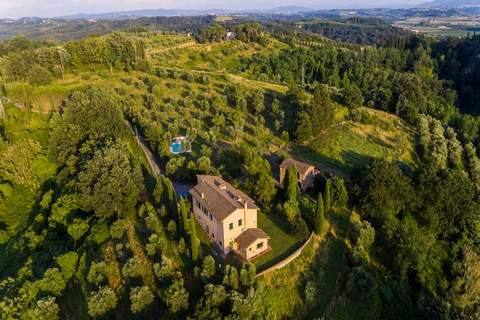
(55, 8)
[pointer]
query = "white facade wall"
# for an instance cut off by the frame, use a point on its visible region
(259, 246)
(220, 231)
(208, 222)
(248, 215)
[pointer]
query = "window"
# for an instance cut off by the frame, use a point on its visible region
(213, 235)
(239, 222)
(260, 245)
(231, 226)
(220, 243)
(211, 217)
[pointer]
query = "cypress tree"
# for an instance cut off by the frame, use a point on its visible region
(234, 278)
(226, 275)
(244, 277)
(291, 192)
(252, 272)
(319, 216)
(170, 197)
(193, 239)
(339, 193)
(328, 196)
(184, 213)
(158, 192)
(291, 185)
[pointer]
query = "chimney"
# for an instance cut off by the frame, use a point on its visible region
(245, 207)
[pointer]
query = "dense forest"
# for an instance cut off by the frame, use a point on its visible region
(366, 31)
(89, 231)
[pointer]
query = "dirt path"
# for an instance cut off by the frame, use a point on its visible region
(187, 44)
(152, 161)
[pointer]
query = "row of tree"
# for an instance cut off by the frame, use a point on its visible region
(40, 66)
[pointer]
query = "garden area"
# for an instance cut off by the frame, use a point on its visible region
(282, 243)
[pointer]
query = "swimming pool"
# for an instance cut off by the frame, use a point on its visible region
(176, 147)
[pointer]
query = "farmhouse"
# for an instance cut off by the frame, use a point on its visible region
(229, 217)
(306, 172)
(231, 35)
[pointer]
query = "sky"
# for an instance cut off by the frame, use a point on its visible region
(54, 8)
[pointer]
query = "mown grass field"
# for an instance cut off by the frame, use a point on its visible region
(282, 243)
(351, 144)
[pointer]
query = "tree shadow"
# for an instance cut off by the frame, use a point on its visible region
(349, 161)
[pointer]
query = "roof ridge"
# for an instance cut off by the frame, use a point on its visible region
(219, 191)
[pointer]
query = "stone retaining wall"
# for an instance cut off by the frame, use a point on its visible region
(288, 259)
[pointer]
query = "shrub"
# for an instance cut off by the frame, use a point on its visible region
(40, 76)
(176, 297)
(140, 298)
(46, 309)
(208, 268)
(117, 230)
(98, 273)
(132, 268)
(102, 301)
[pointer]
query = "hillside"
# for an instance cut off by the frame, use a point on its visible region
(101, 137)
(347, 145)
(355, 140)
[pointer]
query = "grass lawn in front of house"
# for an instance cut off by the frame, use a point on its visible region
(282, 243)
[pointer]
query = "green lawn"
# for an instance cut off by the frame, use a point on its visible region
(282, 243)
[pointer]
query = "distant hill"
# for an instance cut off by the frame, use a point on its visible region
(452, 4)
(285, 10)
(289, 10)
(144, 13)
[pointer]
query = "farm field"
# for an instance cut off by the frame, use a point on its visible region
(454, 26)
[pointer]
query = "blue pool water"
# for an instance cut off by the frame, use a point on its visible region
(176, 147)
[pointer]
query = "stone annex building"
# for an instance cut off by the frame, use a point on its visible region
(229, 217)
(306, 172)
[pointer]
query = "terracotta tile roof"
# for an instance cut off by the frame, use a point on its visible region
(249, 236)
(302, 167)
(220, 197)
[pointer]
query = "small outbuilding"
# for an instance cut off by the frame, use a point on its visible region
(306, 172)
